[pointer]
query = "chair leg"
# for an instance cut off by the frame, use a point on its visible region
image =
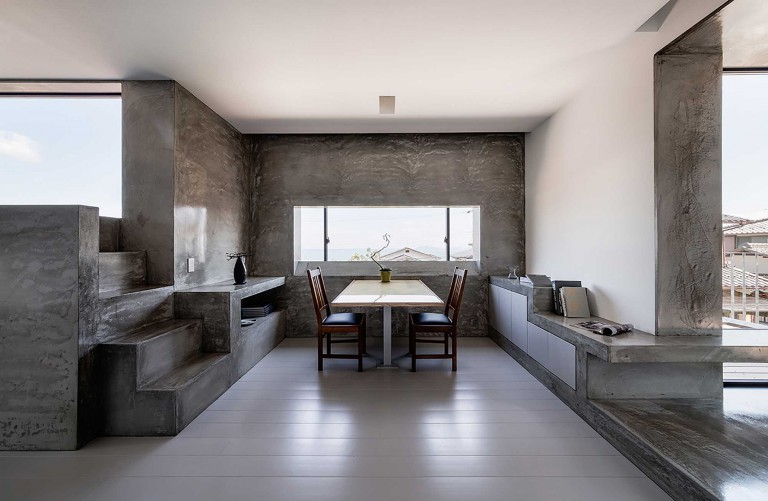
(320, 351)
(365, 337)
(445, 342)
(412, 347)
(328, 343)
(360, 341)
(453, 358)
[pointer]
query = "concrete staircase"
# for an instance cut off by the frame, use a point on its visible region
(156, 380)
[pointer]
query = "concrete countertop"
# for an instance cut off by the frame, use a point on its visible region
(254, 285)
(735, 345)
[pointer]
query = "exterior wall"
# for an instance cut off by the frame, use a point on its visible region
(485, 170)
(590, 178)
(211, 192)
(49, 268)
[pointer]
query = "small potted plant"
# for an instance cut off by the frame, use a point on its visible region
(386, 273)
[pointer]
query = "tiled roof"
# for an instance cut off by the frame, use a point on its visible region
(754, 228)
(728, 219)
(738, 280)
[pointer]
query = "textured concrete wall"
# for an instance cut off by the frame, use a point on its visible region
(393, 169)
(148, 168)
(211, 192)
(49, 272)
(688, 185)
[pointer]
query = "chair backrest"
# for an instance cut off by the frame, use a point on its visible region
(455, 294)
(319, 297)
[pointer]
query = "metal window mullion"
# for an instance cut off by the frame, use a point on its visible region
(447, 233)
(325, 234)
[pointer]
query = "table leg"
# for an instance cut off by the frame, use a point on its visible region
(387, 321)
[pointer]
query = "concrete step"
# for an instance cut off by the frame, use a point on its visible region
(196, 384)
(109, 234)
(121, 270)
(128, 310)
(162, 347)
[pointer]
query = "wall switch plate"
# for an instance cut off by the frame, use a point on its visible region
(190, 264)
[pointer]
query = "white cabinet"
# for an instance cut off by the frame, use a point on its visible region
(519, 321)
(561, 360)
(538, 344)
(556, 355)
(508, 314)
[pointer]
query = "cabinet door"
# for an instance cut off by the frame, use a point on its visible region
(561, 360)
(519, 321)
(538, 344)
(505, 313)
(493, 307)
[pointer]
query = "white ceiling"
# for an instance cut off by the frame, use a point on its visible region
(289, 66)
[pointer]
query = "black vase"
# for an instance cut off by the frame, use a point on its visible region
(240, 272)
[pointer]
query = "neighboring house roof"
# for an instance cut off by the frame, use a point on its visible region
(757, 248)
(408, 254)
(462, 255)
(728, 219)
(738, 280)
(754, 228)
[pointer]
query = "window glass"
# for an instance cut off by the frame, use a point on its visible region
(462, 238)
(416, 233)
(56, 151)
(312, 233)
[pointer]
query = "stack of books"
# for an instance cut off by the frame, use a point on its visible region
(256, 311)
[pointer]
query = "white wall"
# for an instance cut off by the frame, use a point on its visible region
(589, 178)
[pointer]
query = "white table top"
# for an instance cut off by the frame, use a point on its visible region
(394, 293)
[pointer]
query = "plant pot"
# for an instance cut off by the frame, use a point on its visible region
(240, 272)
(386, 275)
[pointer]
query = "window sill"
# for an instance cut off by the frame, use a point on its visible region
(399, 268)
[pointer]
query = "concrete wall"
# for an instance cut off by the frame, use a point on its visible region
(590, 178)
(393, 169)
(49, 272)
(184, 184)
(148, 174)
(689, 293)
(211, 192)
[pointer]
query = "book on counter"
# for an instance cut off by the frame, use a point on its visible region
(536, 281)
(574, 302)
(556, 286)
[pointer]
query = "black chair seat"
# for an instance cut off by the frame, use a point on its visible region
(344, 319)
(430, 319)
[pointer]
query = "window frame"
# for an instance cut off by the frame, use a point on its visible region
(446, 239)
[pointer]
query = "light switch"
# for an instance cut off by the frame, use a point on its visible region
(190, 264)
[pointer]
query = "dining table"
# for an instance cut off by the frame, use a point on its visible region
(386, 295)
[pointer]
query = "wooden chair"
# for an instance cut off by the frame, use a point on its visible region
(444, 323)
(334, 323)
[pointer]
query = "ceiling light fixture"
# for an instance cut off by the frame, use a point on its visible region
(386, 105)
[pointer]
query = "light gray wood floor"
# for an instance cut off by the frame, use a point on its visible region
(286, 432)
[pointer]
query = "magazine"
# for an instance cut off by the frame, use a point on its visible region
(606, 329)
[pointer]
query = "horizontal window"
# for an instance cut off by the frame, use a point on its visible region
(386, 234)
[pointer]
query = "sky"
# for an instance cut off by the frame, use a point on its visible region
(69, 151)
(61, 151)
(745, 145)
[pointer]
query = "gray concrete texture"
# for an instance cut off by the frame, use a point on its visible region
(211, 192)
(49, 269)
(485, 170)
(688, 184)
